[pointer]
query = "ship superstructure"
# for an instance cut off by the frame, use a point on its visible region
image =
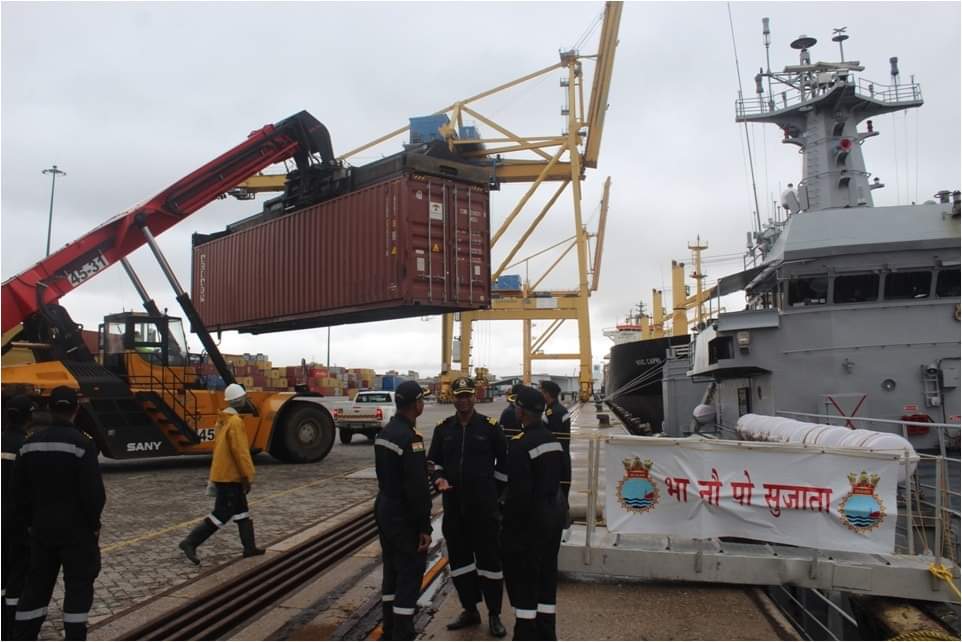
(851, 310)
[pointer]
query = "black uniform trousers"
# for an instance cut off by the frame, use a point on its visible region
(471, 535)
(229, 504)
(531, 571)
(78, 552)
(16, 561)
(403, 569)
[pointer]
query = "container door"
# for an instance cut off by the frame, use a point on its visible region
(425, 222)
(469, 263)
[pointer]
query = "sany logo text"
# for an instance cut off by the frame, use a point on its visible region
(145, 446)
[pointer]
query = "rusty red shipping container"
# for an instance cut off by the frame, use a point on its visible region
(409, 246)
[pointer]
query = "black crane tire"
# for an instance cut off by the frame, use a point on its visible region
(308, 434)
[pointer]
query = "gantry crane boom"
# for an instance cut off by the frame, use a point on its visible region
(296, 137)
(600, 237)
(604, 64)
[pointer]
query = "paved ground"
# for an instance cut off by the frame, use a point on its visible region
(613, 610)
(152, 504)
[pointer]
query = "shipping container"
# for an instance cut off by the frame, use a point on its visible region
(409, 246)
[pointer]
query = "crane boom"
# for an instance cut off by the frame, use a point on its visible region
(298, 137)
(598, 104)
(600, 240)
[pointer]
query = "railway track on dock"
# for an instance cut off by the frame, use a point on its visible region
(220, 610)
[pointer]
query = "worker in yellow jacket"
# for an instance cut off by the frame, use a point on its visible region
(231, 475)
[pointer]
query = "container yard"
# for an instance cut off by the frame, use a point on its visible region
(374, 311)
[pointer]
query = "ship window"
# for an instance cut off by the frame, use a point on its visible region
(908, 285)
(856, 288)
(807, 290)
(719, 348)
(948, 283)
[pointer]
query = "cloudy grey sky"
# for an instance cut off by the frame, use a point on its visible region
(128, 97)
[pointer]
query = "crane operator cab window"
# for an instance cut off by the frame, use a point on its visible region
(159, 341)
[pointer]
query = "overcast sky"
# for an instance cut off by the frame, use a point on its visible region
(128, 97)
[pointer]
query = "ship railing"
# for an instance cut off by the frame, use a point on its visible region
(893, 94)
(930, 502)
(900, 93)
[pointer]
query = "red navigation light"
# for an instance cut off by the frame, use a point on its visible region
(845, 144)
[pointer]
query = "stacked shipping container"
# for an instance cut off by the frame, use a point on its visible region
(256, 372)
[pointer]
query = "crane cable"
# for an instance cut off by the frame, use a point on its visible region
(751, 163)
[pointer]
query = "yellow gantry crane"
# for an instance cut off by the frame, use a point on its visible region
(559, 159)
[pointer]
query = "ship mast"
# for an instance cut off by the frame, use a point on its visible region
(818, 106)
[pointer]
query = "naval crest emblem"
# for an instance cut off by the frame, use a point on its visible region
(862, 510)
(637, 492)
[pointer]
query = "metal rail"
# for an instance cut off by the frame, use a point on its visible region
(217, 612)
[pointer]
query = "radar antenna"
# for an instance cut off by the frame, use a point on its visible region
(840, 37)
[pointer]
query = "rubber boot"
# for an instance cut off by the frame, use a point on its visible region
(387, 620)
(246, 529)
(75, 630)
(546, 626)
(465, 619)
(403, 627)
(197, 537)
(495, 626)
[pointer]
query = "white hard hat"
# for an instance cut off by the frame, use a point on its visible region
(233, 392)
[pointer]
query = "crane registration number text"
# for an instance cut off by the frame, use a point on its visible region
(80, 273)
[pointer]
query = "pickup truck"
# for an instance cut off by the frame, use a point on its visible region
(367, 414)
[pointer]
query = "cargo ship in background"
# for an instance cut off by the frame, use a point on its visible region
(635, 378)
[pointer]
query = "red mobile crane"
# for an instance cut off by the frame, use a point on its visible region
(144, 397)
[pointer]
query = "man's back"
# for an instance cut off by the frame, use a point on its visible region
(57, 480)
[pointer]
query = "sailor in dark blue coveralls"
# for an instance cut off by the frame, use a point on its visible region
(558, 420)
(60, 497)
(509, 416)
(468, 459)
(16, 547)
(534, 513)
(402, 511)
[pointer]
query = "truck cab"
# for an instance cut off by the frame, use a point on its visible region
(366, 414)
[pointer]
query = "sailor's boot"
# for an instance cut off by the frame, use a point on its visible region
(197, 537)
(246, 529)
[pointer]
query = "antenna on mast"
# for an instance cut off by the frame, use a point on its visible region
(767, 39)
(840, 37)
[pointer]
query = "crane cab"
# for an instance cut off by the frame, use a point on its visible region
(149, 353)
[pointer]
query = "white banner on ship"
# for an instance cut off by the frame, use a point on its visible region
(830, 499)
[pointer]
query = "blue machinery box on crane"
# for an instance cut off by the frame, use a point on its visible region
(424, 129)
(508, 282)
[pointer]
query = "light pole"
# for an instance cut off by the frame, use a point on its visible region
(53, 171)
